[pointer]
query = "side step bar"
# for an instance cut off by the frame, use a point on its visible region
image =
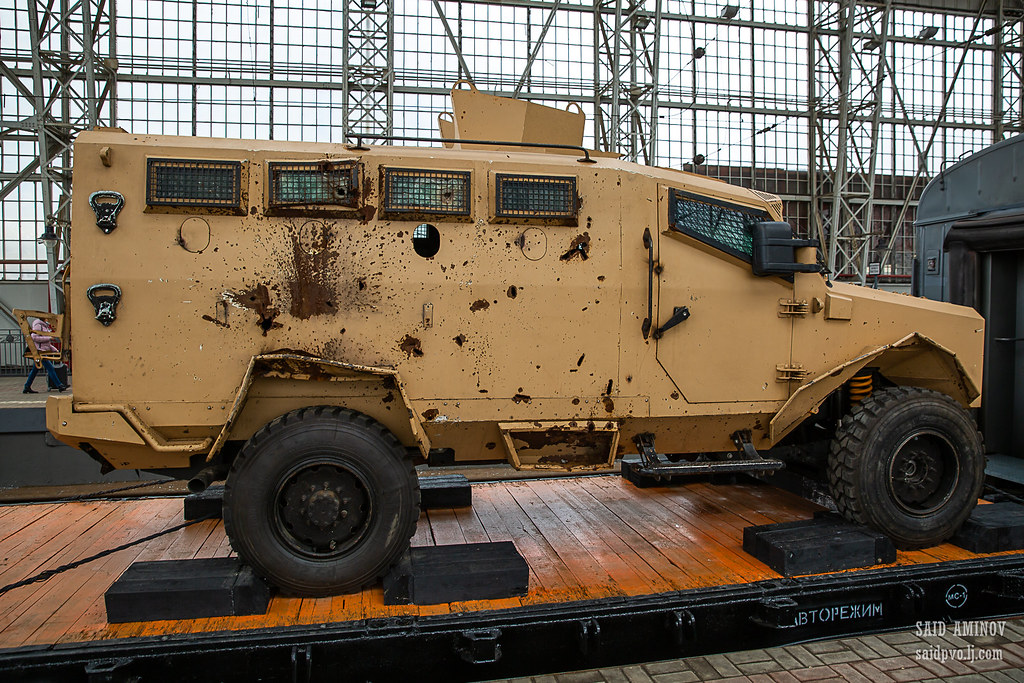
(748, 460)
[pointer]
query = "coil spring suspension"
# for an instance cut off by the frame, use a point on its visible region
(859, 386)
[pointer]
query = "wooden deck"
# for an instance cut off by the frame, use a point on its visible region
(584, 538)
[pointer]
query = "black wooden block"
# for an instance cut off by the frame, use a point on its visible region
(630, 471)
(208, 503)
(186, 589)
(993, 528)
(445, 491)
(815, 546)
(450, 573)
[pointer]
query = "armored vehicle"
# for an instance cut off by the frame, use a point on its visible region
(311, 321)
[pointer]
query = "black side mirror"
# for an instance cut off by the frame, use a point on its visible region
(775, 250)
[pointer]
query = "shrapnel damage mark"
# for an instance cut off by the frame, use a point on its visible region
(429, 415)
(258, 299)
(580, 246)
(460, 340)
(313, 288)
(219, 323)
(521, 398)
(512, 292)
(480, 305)
(411, 346)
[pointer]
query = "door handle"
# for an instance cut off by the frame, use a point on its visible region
(649, 243)
(679, 314)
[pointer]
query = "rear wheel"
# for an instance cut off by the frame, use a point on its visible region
(909, 463)
(321, 501)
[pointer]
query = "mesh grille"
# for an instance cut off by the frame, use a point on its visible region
(179, 182)
(299, 184)
(725, 226)
(536, 196)
(421, 191)
(772, 199)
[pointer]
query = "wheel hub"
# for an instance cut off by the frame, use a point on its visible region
(322, 509)
(923, 473)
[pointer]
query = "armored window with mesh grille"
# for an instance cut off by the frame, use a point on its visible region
(531, 196)
(312, 183)
(728, 227)
(425, 191)
(194, 182)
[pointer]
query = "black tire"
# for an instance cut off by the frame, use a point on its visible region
(907, 462)
(321, 501)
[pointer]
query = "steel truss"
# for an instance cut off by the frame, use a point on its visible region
(627, 38)
(69, 75)
(71, 87)
(368, 78)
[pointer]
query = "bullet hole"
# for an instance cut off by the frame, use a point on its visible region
(426, 240)
(480, 305)
(600, 278)
(575, 401)
(580, 246)
(361, 282)
(521, 398)
(629, 378)
(608, 391)
(411, 346)
(675, 395)
(429, 415)
(490, 445)
(512, 292)
(580, 361)
(460, 340)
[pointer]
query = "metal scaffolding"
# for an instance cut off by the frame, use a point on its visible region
(844, 108)
(69, 87)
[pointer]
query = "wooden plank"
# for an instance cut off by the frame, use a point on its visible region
(633, 548)
(444, 527)
(20, 516)
(587, 570)
(40, 530)
(25, 560)
(752, 517)
(550, 579)
(91, 541)
(470, 524)
(695, 552)
(630, 578)
(422, 536)
(582, 537)
(62, 603)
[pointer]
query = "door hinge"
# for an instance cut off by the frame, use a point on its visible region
(793, 307)
(790, 372)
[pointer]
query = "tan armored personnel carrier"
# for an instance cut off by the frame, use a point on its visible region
(312, 320)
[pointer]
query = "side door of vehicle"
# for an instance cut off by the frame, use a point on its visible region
(723, 334)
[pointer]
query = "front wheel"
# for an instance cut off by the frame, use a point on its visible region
(321, 501)
(907, 462)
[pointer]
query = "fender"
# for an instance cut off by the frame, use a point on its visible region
(293, 365)
(914, 360)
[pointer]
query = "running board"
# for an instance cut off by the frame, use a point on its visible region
(745, 460)
(713, 467)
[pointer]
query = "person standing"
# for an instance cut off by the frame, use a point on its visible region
(42, 335)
